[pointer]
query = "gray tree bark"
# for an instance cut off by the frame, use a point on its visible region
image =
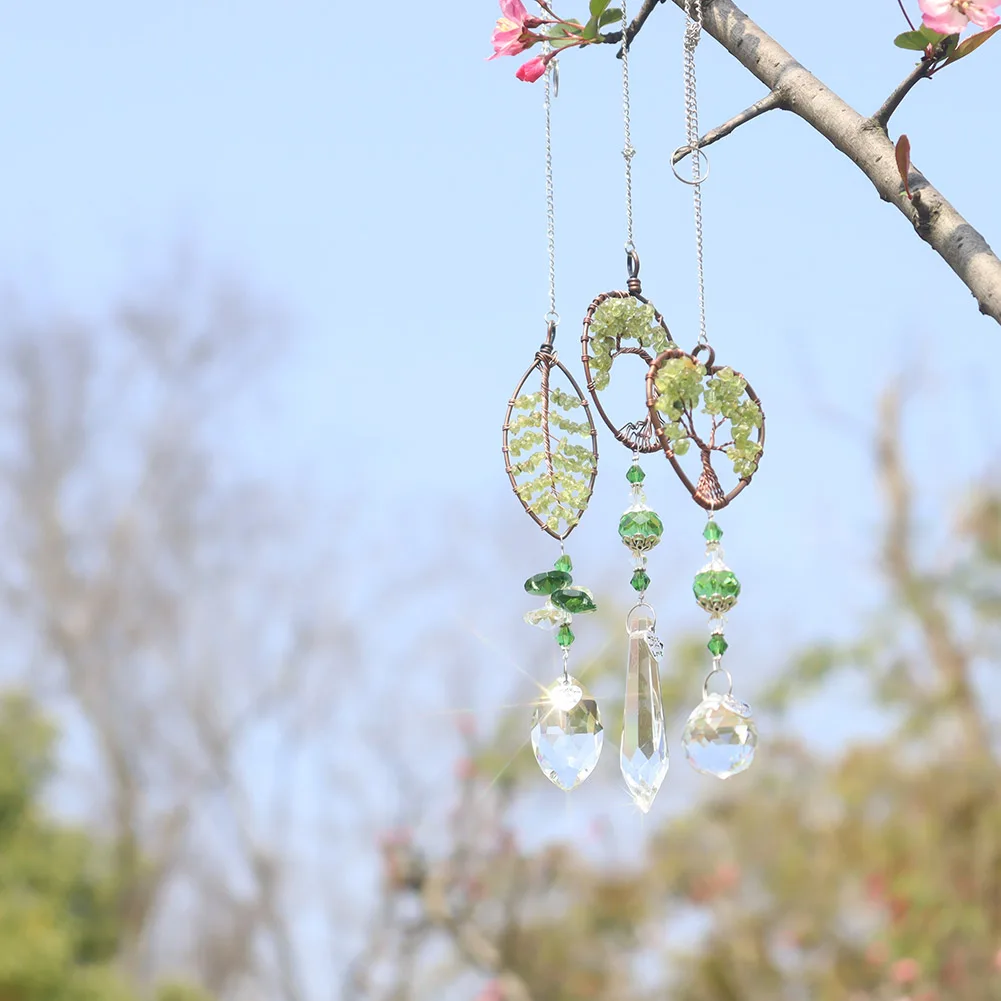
(864, 140)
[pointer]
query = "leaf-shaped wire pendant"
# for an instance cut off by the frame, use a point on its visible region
(612, 321)
(676, 383)
(550, 455)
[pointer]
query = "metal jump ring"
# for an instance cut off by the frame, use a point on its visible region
(653, 615)
(685, 151)
(717, 670)
(552, 317)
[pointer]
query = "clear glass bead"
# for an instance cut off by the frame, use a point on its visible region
(567, 742)
(549, 617)
(720, 737)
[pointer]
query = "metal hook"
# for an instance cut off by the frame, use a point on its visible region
(556, 78)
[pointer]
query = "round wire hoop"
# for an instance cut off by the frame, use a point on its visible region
(709, 677)
(686, 151)
(641, 604)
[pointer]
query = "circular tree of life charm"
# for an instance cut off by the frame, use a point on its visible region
(691, 401)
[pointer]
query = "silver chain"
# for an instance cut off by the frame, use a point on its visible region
(552, 316)
(693, 32)
(628, 152)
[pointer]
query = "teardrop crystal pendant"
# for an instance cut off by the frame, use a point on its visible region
(643, 754)
(720, 736)
(566, 733)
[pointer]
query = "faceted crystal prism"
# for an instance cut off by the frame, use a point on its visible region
(643, 754)
(567, 742)
(720, 737)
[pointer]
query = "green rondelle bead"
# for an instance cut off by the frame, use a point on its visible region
(640, 581)
(641, 530)
(564, 563)
(717, 645)
(565, 636)
(712, 532)
(635, 474)
(546, 583)
(574, 600)
(716, 590)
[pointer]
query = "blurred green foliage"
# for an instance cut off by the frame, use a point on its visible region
(867, 871)
(59, 905)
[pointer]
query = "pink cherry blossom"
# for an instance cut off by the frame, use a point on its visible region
(949, 17)
(534, 68)
(511, 34)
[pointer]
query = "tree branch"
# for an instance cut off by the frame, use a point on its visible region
(769, 102)
(863, 140)
(890, 105)
(614, 37)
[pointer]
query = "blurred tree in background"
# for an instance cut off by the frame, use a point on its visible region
(192, 645)
(59, 924)
(870, 874)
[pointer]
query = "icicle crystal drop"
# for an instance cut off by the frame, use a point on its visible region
(720, 737)
(643, 754)
(567, 734)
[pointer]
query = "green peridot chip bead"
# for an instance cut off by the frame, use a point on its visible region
(712, 532)
(635, 474)
(574, 600)
(717, 645)
(565, 636)
(548, 582)
(564, 563)
(640, 581)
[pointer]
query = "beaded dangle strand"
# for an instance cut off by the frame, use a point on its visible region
(551, 458)
(617, 324)
(720, 736)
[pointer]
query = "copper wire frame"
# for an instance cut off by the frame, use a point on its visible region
(546, 360)
(707, 492)
(636, 436)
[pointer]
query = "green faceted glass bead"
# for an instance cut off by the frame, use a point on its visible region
(640, 581)
(564, 563)
(717, 645)
(640, 530)
(574, 600)
(635, 475)
(565, 636)
(712, 532)
(548, 582)
(716, 590)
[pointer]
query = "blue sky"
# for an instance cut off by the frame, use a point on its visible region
(382, 184)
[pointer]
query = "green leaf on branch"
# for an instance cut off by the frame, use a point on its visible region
(972, 43)
(598, 7)
(590, 29)
(903, 154)
(930, 37)
(911, 40)
(610, 16)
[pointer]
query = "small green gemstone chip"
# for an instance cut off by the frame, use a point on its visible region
(717, 645)
(635, 474)
(546, 583)
(641, 530)
(716, 590)
(640, 581)
(712, 532)
(574, 600)
(564, 563)
(565, 636)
